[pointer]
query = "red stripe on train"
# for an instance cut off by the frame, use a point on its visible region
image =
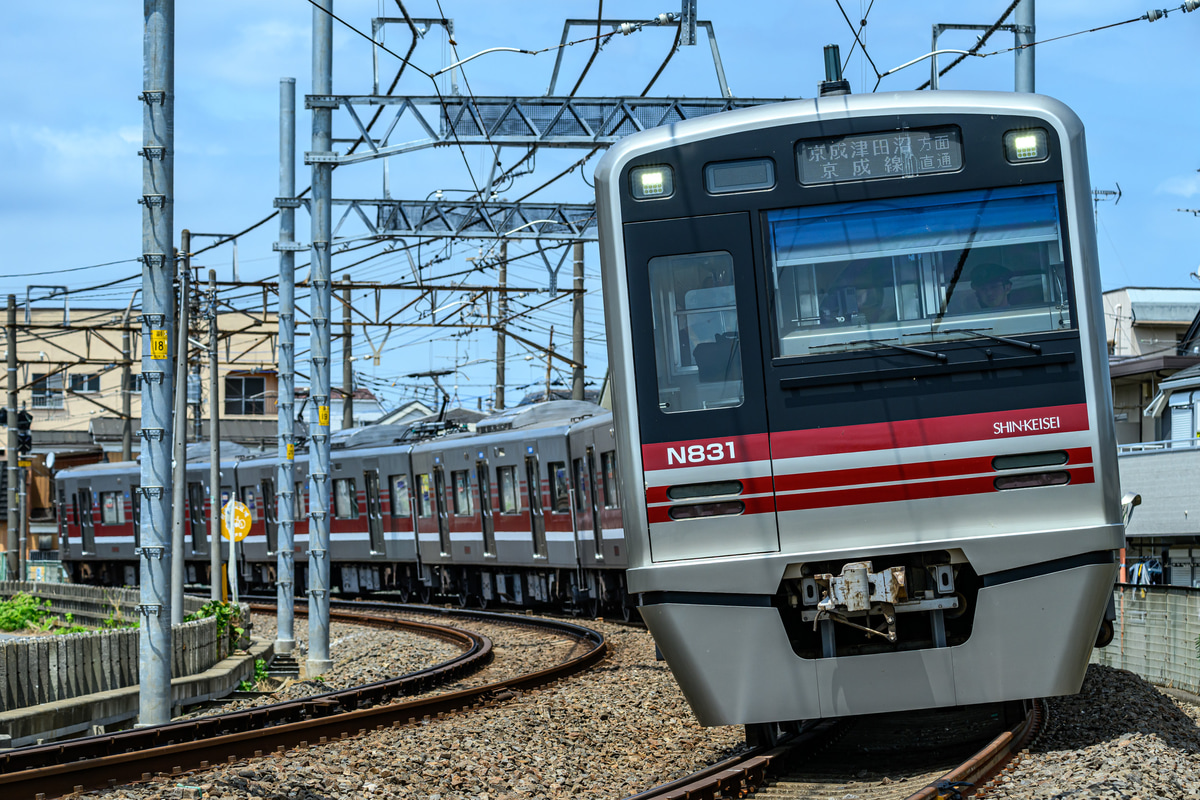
(896, 493)
(699, 452)
(894, 473)
(937, 430)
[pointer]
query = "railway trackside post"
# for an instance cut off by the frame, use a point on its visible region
(11, 421)
(158, 125)
(1023, 64)
(577, 324)
(501, 313)
(214, 448)
(179, 430)
(347, 359)
(322, 226)
(285, 566)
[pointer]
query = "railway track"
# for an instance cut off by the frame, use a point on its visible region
(868, 758)
(104, 761)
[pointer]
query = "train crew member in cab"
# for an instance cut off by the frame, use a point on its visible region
(870, 295)
(992, 284)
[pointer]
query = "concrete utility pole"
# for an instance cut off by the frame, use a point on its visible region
(179, 456)
(501, 313)
(347, 362)
(14, 519)
(322, 228)
(214, 447)
(158, 126)
(285, 566)
(1023, 58)
(577, 326)
(126, 391)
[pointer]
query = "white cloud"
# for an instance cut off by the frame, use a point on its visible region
(1181, 185)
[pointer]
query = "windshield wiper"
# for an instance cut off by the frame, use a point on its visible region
(1037, 348)
(901, 348)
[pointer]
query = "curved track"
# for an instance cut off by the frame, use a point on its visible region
(103, 761)
(857, 757)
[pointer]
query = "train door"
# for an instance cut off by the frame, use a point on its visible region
(593, 504)
(485, 508)
(270, 514)
(374, 510)
(83, 512)
(439, 493)
(537, 519)
(135, 496)
(701, 404)
(198, 524)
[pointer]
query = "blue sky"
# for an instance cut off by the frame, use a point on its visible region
(72, 126)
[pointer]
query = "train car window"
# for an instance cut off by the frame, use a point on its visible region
(399, 484)
(250, 498)
(918, 269)
(425, 495)
(226, 495)
(462, 493)
(270, 513)
(580, 485)
(510, 502)
(298, 501)
(112, 508)
(697, 355)
(135, 496)
(608, 466)
(560, 488)
(345, 499)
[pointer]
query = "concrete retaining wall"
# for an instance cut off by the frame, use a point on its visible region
(46, 669)
(1156, 632)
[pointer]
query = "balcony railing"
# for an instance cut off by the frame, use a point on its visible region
(1159, 446)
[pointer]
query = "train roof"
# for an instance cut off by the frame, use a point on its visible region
(539, 415)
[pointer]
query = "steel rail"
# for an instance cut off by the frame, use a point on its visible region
(747, 772)
(103, 761)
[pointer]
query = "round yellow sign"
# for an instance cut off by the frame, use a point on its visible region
(236, 518)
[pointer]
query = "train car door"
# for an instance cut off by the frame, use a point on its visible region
(537, 519)
(199, 526)
(701, 405)
(270, 514)
(374, 510)
(135, 496)
(87, 530)
(439, 493)
(593, 505)
(485, 508)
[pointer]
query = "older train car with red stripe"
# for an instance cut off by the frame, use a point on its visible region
(861, 382)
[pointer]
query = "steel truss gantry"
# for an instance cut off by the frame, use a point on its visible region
(580, 122)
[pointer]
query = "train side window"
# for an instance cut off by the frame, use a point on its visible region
(697, 354)
(509, 498)
(399, 484)
(462, 493)
(424, 495)
(298, 501)
(112, 508)
(608, 466)
(580, 485)
(560, 488)
(345, 499)
(250, 498)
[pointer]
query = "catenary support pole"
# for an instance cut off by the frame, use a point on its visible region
(1023, 58)
(285, 567)
(577, 326)
(322, 227)
(214, 446)
(347, 359)
(501, 313)
(158, 268)
(179, 430)
(14, 519)
(126, 392)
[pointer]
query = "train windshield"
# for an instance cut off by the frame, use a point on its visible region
(913, 269)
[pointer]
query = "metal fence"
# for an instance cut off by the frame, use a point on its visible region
(1156, 632)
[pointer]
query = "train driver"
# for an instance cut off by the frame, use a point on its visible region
(992, 284)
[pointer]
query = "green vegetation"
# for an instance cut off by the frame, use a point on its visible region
(227, 615)
(17, 614)
(260, 675)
